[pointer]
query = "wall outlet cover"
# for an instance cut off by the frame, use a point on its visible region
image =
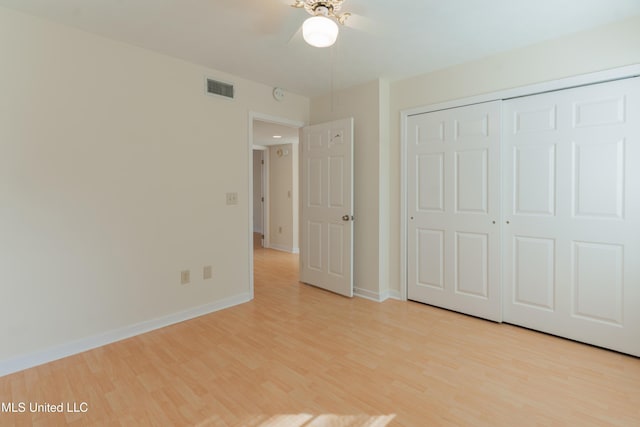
(232, 198)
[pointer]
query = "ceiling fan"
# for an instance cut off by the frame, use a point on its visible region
(321, 30)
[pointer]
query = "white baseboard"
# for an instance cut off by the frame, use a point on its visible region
(370, 295)
(375, 296)
(284, 248)
(393, 294)
(68, 349)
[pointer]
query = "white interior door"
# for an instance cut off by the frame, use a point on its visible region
(326, 215)
(572, 214)
(453, 207)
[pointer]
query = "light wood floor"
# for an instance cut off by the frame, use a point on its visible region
(297, 355)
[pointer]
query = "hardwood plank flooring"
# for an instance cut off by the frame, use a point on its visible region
(300, 356)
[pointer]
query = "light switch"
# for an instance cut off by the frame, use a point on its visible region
(185, 277)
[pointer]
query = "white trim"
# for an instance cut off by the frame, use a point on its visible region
(533, 89)
(370, 295)
(619, 73)
(503, 156)
(275, 119)
(377, 297)
(283, 248)
(403, 206)
(396, 295)
(250, 201)
(69, 349)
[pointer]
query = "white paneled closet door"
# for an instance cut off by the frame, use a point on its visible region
(453, 207)
(572, 213)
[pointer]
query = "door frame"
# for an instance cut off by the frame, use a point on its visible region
(253, 115)
(533, 89)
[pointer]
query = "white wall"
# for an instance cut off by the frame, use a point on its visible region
(113, 171)
(366, 104)
(295, 200)
(386, 290)
(114, 168)
(595, 50)
(283, 197)
(376, 107)
(258, 216)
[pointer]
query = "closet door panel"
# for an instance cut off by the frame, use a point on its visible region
(453, 204)
(572, 213)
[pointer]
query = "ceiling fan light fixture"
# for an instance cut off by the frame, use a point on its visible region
(320, 31)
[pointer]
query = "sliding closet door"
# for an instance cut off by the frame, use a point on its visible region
(453, 207)
(572, 213)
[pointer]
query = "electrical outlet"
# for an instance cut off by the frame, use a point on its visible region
(232, 198)
(185, 277)
(207, 272)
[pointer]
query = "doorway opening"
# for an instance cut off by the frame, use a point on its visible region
(274, 206)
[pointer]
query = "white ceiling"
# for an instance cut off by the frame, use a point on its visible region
(259, 39)
(264, 132)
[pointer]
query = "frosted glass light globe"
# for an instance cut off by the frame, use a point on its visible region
(320, 31)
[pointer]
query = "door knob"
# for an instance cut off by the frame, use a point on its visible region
(346, 217)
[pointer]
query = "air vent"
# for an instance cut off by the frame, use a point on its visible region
(215, 87)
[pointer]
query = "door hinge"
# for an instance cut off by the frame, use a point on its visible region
(262, 236)
(262, 199)
(262, 161)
